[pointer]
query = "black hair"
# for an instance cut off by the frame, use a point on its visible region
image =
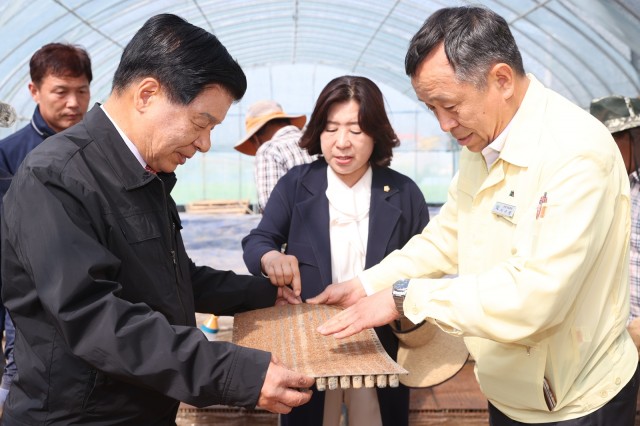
(184, 58)
(372, 117)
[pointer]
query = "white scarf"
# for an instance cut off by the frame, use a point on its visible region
(348, 224)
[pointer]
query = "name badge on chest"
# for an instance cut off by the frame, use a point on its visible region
(504, 209)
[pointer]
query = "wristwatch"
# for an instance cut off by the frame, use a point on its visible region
(398, 291)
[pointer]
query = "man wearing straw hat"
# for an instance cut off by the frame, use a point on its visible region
(535, 231)
(621, 115)
(272, 136)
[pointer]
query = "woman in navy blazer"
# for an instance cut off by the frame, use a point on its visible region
(350, 129)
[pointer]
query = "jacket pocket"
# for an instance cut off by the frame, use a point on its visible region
(148, 271)
(509, 374)
(139, 228)
(101, 396)
(104, 395)
(108, 398)
(90, 385)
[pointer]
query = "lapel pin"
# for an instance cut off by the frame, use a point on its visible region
(386, 188)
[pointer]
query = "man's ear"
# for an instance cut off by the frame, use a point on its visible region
(503, 77)
(145, 93)
(35, 92)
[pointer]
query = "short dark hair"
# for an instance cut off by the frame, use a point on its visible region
(184, 58)
(475, 39)
(372, 117)
(59, 60)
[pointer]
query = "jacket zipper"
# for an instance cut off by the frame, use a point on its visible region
(173, 250)
(174, 258)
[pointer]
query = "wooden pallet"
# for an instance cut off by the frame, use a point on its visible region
(219, 207)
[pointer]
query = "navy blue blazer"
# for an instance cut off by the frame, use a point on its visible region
(297, 213)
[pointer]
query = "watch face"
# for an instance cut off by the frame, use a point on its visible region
(398, 292)
(400, 286)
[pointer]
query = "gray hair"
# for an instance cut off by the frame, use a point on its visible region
(474, 38)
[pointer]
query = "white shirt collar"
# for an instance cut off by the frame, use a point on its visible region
(336, 184)
(492, 151)
(130, 145)
(348, 224)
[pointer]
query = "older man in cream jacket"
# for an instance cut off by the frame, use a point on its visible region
(535, 230)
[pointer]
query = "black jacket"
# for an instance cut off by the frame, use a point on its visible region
(103, 294)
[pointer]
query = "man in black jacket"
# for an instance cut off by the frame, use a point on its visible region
(60, 78)
(94, 269)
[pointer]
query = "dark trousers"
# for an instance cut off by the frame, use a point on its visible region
(620, 411)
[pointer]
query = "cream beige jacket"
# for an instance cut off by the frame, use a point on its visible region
(539, 246)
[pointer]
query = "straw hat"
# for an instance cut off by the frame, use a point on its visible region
(430, 355)
(259, 114)
(618, 113)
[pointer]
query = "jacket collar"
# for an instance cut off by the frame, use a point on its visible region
(525, 129)
(383, 215)
(39, 125)
(118, 154)
(519, 148)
